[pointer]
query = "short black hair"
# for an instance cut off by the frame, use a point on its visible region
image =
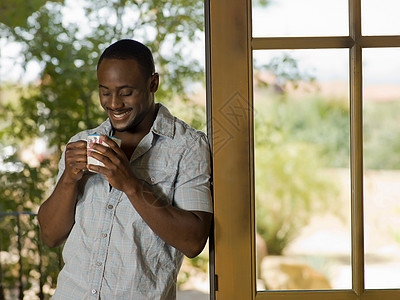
(130, 49)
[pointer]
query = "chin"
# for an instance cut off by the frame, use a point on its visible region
(123, 127)
(120, 128)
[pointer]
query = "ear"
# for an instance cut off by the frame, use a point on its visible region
(155, 80)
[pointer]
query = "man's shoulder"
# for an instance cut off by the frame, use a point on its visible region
(175, 128)
(186, 131)
(187, 136)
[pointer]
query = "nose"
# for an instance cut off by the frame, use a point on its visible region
(115, 102)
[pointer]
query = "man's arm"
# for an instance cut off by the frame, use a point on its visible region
(57, 214)
(185, 230)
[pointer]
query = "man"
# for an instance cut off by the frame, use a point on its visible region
(128, 224)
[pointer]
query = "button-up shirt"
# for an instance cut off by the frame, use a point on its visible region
(111, 253)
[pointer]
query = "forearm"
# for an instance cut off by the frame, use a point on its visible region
(57, 214)
(185, 230)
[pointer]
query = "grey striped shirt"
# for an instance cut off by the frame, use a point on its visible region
(110, 252)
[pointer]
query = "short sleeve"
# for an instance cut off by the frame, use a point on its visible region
(193, 184)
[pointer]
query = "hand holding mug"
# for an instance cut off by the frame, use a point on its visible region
(75, 160)
(95, 139)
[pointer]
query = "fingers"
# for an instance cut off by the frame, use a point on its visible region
(116, 164)
(99, 155)
(81, 144)
(117, 173)
(108, 166)
(113, 152)
(75, 159)
(105, 155)
(111, 143)
(110, 155)
(76, 152)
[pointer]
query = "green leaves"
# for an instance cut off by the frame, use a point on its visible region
(63, 100)
(15, 13)
(290, 161)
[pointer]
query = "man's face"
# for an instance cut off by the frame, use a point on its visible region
(125, 94)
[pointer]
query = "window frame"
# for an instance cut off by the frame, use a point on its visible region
(229, 48)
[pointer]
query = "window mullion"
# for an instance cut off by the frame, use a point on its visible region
(356, 145)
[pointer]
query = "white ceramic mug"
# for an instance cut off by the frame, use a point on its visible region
(95, 138)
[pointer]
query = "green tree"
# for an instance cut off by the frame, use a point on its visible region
(382, 135)
(21, 189)
(14, 13)
(289, 189)
(64, 99)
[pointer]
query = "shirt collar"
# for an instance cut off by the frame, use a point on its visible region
(164, 124)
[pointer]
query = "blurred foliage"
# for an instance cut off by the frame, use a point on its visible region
(289, 186)
(297, 138)
(260, 3)
(21, 190)
(382, 135)
(286, 72)
(323, 123)
(63, 100)
(23, 270)
(196, 268)
(14, 13)
(200, 262)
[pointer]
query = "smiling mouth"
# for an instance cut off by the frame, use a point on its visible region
(118, 115)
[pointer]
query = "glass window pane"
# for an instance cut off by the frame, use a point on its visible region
(380, 17)
(302, 181)
(382, 167)
(300, 18)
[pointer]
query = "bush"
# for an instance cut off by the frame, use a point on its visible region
(289, 185)
(382, 135)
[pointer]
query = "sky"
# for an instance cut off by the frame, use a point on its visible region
(292, 18)
(327, 18)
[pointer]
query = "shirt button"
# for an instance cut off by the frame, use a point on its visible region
(94, 291)
(152, 179)
(104, 235)
(110, 206)
(99, 263)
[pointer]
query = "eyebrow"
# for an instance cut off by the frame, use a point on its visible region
(118, 87)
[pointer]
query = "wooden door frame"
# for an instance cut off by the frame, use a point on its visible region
(230, 117)
(229, 46)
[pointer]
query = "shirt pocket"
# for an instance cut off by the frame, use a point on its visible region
(160, 181)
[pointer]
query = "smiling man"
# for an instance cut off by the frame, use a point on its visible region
(128, 224)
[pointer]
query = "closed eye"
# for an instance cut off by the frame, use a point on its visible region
(104, 91)
(125, 92)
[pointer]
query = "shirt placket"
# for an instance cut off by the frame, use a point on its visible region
(103, 247)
